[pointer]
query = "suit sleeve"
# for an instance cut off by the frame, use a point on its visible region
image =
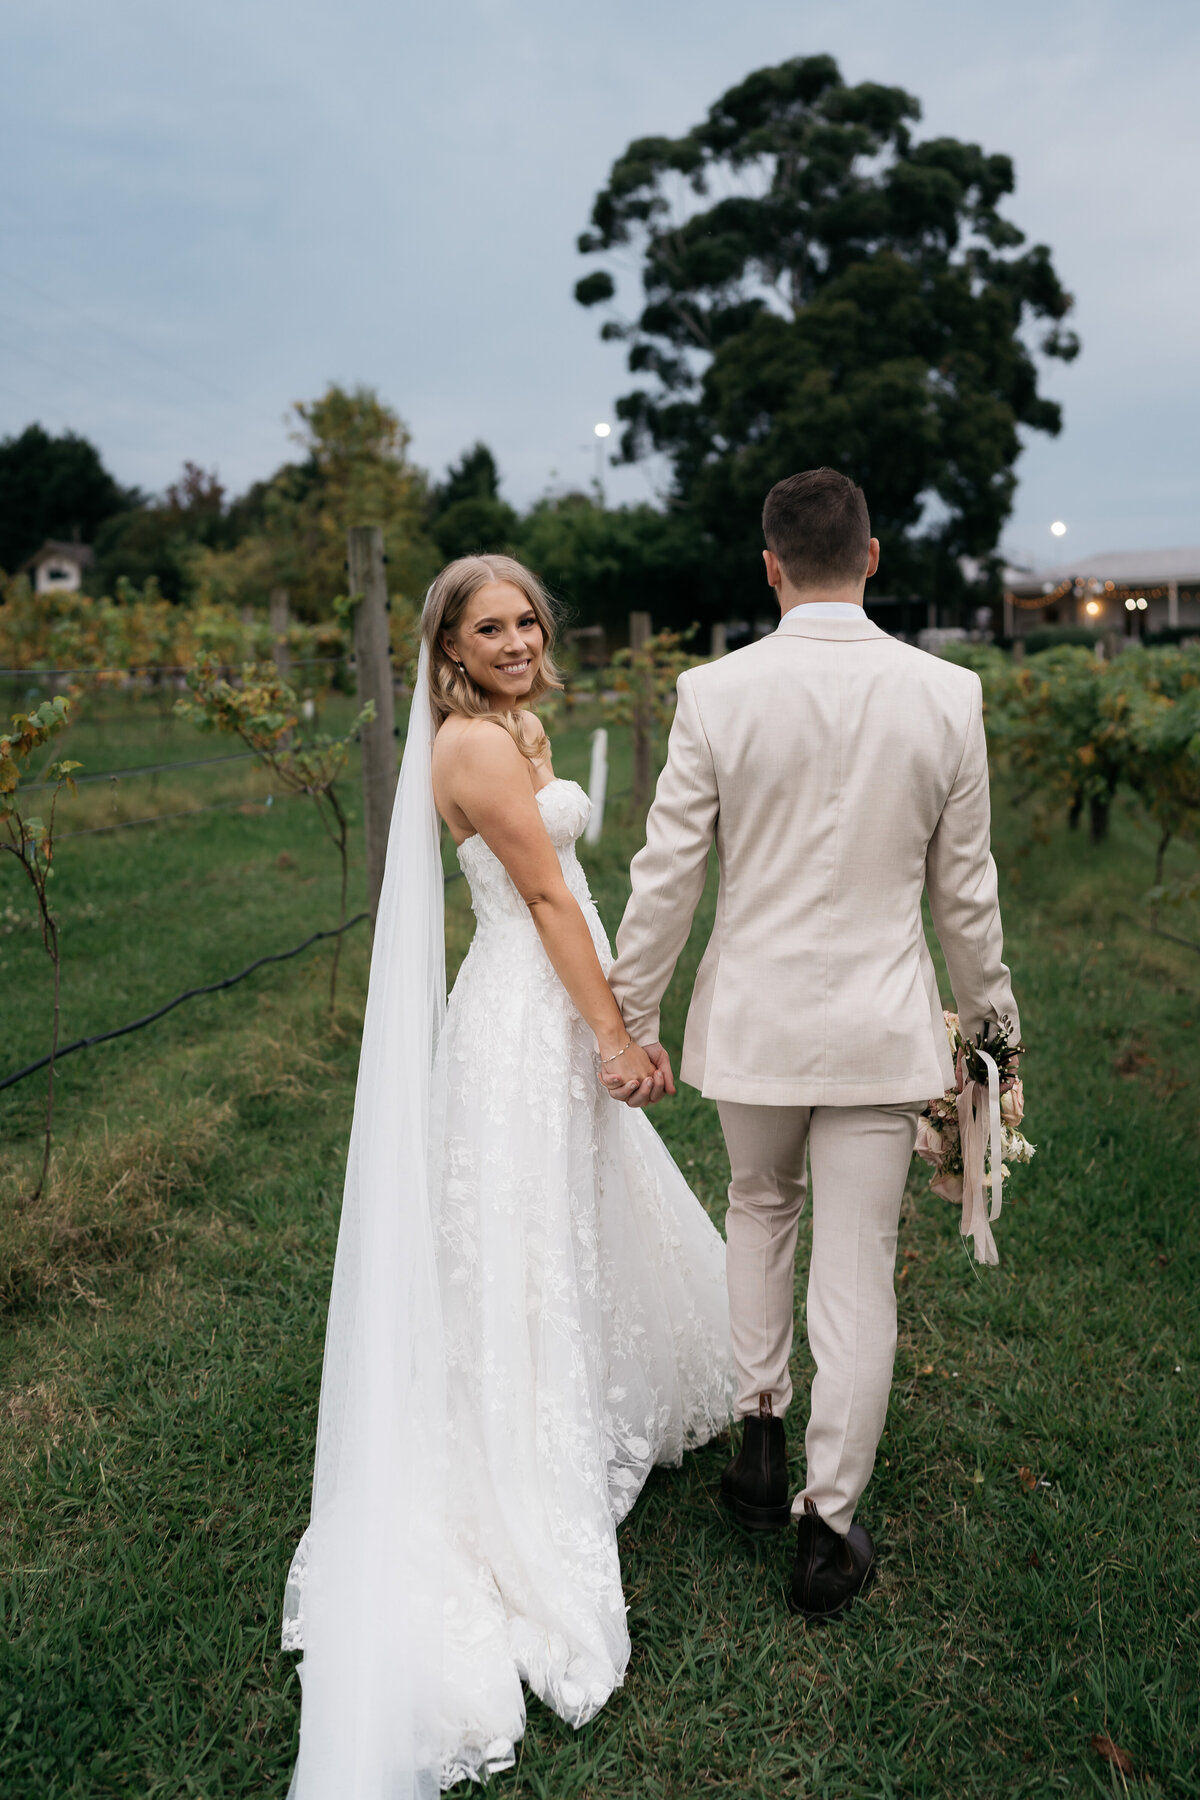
(960, 877)
(668, 874)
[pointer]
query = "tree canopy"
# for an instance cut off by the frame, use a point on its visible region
(605, 563)
(52, 487)
(466, 512)
(820, 288)
(160, 539)
(292, 528)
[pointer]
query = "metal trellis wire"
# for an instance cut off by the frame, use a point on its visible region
(186, 812)
(300, 662)
(199, 762)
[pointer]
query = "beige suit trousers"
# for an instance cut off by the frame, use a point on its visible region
(860, 1157)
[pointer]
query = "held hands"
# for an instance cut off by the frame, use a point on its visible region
(638, 1075)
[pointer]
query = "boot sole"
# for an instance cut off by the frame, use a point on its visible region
(758, 1518)
(833, 1612)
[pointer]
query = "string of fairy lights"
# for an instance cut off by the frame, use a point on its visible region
(1135, 598)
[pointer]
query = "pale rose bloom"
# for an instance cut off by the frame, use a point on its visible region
(950, 1187)
(951, 1022)
(929, 1143)
(1012, 1103)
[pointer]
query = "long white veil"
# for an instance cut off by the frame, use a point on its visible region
(365, 1597)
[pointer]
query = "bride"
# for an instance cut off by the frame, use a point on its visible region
(528, 1308)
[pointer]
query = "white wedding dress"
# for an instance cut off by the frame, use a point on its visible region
(584, 1319)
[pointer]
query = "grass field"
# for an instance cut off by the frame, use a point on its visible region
(1036, 1499)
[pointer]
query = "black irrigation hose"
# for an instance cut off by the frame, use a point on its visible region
(212, 987)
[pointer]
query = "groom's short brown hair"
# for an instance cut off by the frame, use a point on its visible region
(818, 526)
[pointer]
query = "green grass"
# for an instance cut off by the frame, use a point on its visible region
(162, 1346)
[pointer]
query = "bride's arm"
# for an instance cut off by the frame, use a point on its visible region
(489, 782)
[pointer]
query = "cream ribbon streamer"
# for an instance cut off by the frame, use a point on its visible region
(974, 1133)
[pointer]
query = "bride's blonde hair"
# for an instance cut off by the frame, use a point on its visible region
(451, 689)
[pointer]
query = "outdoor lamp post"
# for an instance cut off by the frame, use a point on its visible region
(602, 430)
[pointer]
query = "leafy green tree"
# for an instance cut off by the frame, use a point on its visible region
(53, 487)
(820, 288)
(608, 562)
(356, 471)
(159, 541)
(466, 513)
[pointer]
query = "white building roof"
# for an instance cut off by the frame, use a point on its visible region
(1127, 566)
(61, 549)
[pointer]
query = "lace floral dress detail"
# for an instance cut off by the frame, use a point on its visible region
(585, 1317)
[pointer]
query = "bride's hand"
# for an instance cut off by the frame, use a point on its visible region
(631, 1076)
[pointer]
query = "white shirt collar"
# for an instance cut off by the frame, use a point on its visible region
(826, 609)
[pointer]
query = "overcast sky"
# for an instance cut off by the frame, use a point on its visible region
(209, 211)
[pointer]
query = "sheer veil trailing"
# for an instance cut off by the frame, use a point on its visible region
(365, 1594)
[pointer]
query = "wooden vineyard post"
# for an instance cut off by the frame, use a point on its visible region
(639, 632)
(281, 618)
(597, 786)
(373, 675)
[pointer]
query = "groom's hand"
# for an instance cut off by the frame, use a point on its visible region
(632, 1077)
(645, 1092)
(635, 1078)
(662, 1065)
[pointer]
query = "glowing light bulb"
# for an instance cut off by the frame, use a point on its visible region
(1058, 528)
(602, 430)
(1092, 608)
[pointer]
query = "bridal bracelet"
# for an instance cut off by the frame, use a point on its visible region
(605, 1060)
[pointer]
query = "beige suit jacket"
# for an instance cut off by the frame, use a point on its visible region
(841, 773)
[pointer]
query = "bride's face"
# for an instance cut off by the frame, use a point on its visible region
(499, 642)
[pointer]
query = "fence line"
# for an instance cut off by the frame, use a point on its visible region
(187, 812)
(200, 762)
(304, 662)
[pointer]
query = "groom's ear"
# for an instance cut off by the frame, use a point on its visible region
(872, 557)
(774, 572)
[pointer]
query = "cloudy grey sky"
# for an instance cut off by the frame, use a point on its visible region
(208, 211)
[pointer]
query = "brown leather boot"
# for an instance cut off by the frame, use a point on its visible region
(755, 1484)
(829, 1571)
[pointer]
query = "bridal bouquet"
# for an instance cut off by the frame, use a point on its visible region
(953, 1134)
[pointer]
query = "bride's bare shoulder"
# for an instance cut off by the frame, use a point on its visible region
(473, 748)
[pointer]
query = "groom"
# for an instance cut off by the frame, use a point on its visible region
(841, 774)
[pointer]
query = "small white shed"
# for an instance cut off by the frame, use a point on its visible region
(58, 566)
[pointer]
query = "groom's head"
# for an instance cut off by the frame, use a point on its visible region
(818, 531)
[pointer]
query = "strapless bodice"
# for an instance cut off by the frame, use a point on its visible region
(565, 810)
